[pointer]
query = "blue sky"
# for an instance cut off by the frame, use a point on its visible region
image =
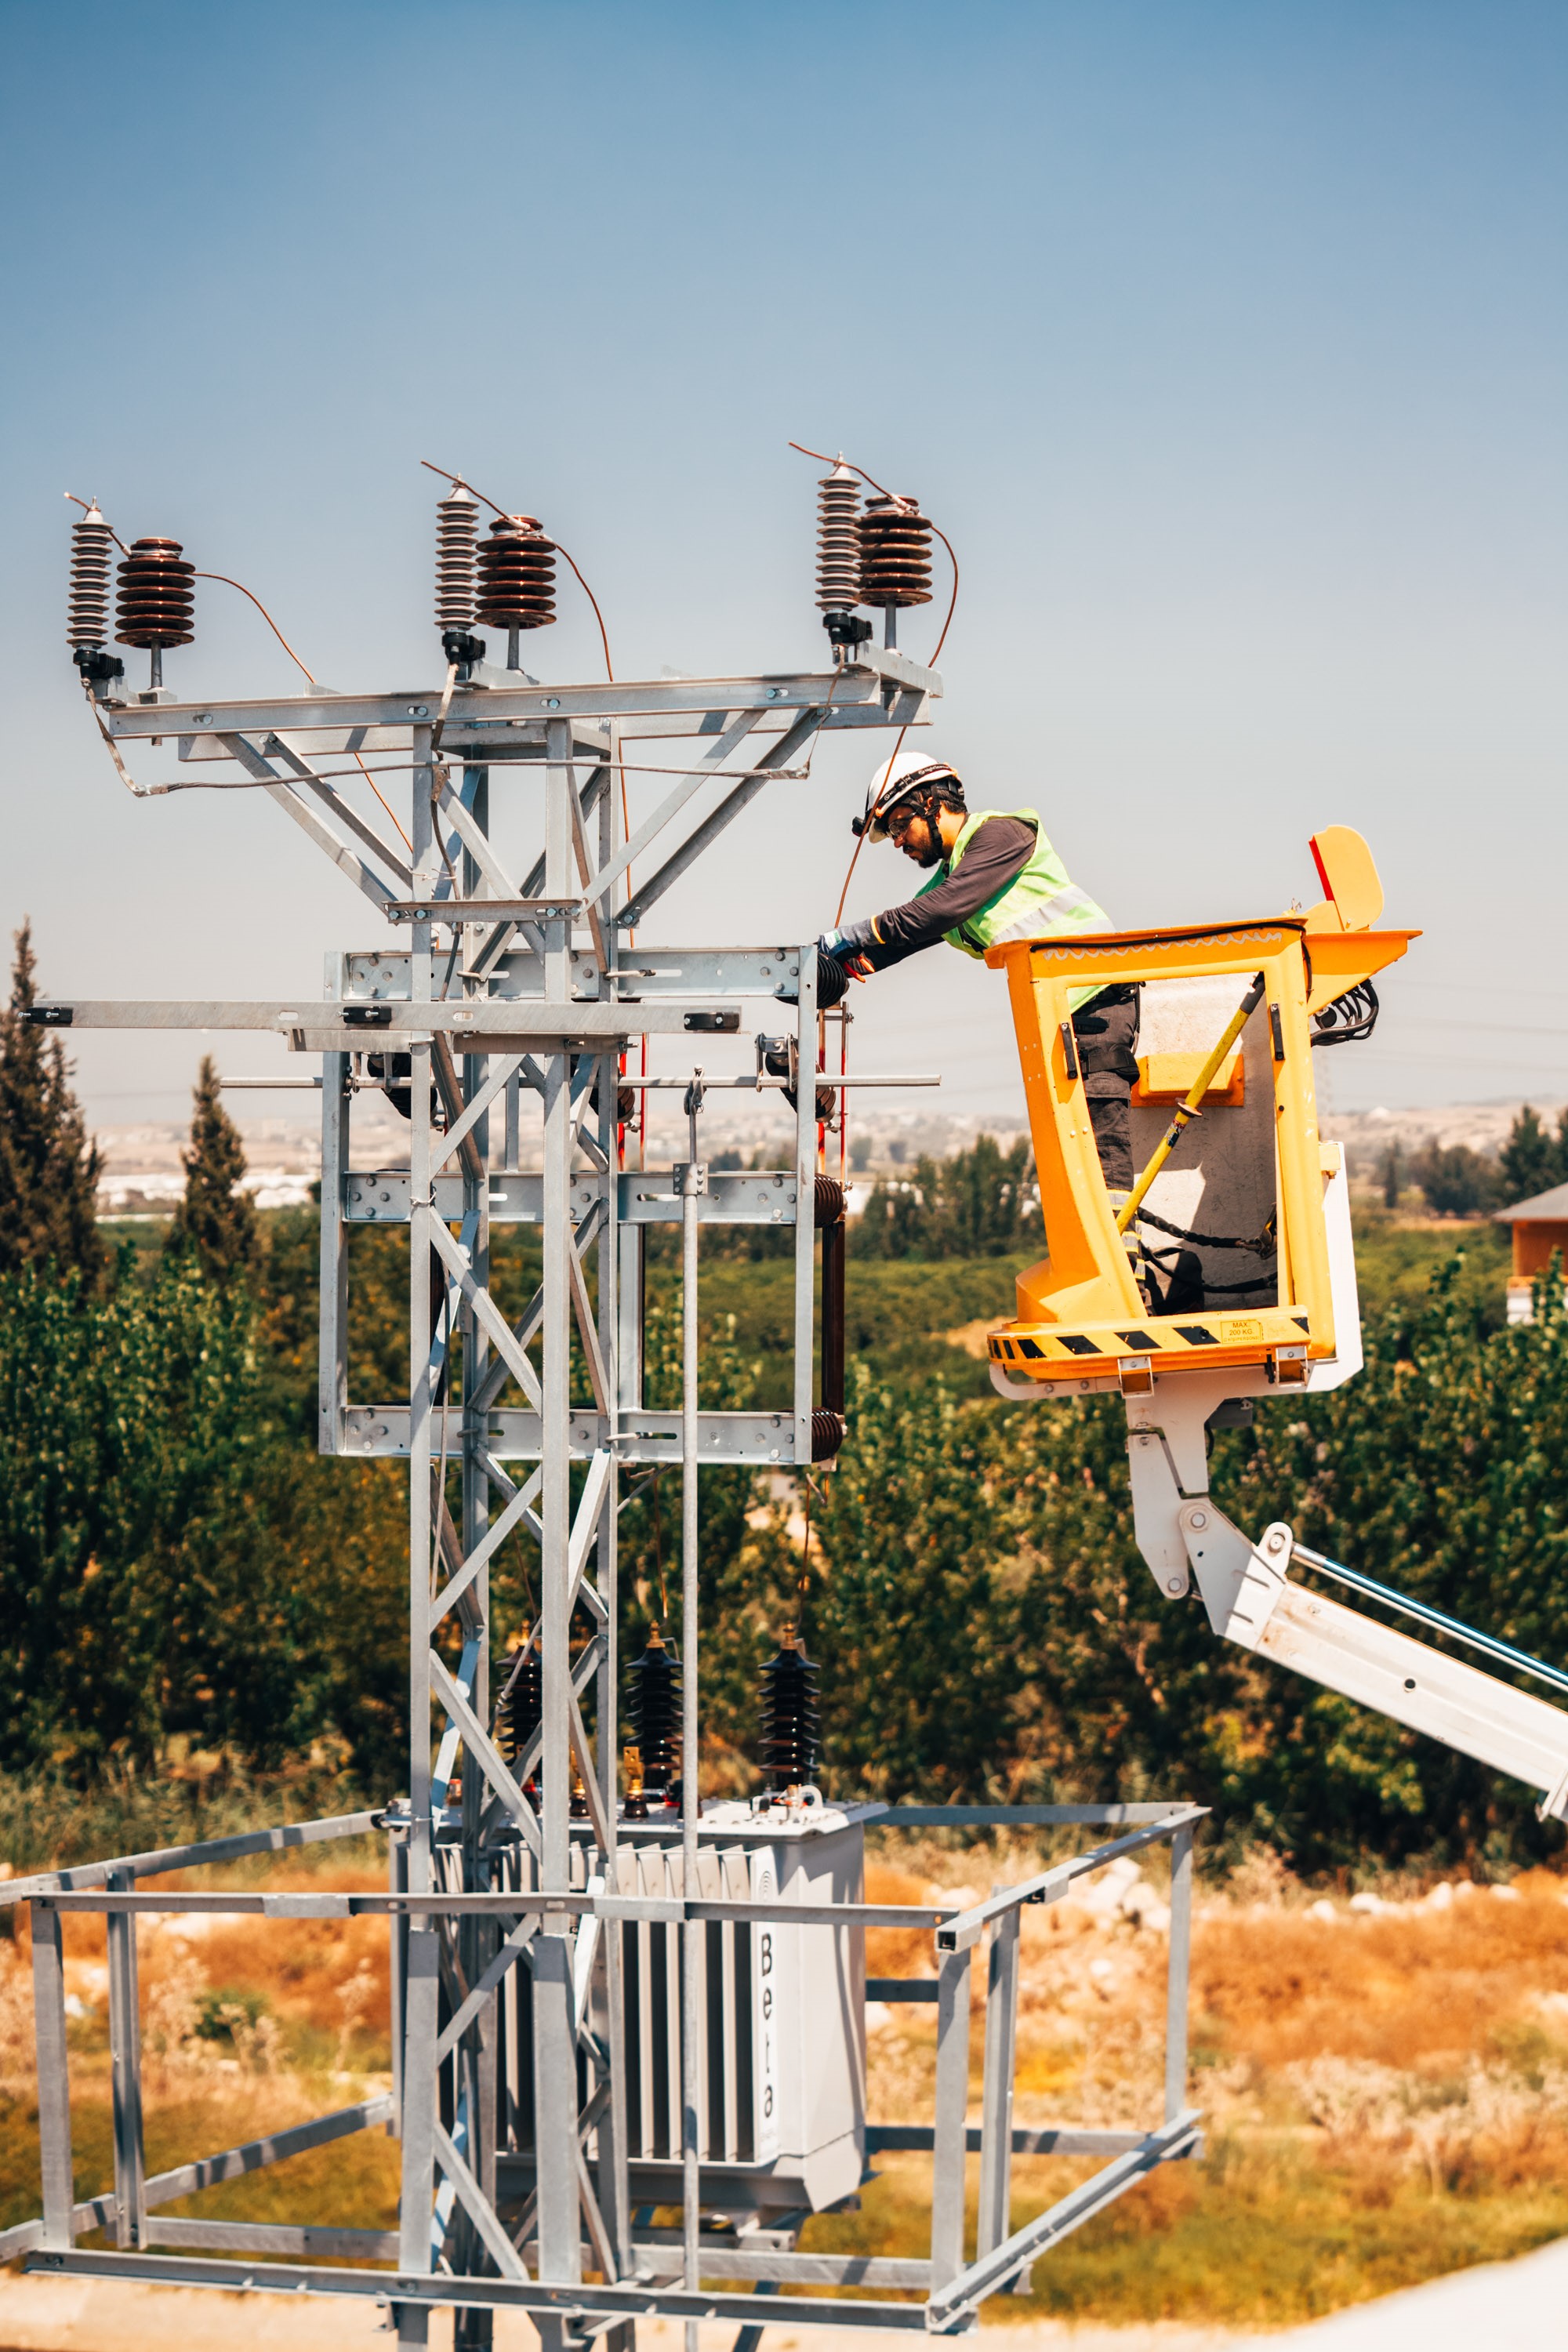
(1226, 341)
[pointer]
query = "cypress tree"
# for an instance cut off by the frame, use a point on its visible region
(49, 1171)
(215, 1219)
(1531, 1159)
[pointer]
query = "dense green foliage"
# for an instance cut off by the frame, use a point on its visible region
(48, 1172)
(980, 1203)
(1459, 1181)
(177, 1568)
(1533, 1160)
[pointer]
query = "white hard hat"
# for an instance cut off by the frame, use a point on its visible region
(906, 776)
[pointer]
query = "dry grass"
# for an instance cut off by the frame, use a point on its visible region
(1385, 2091)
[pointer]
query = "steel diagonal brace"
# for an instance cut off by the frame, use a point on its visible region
(982, 2277)
(451, 1091)
(713, 824)
(608, 875)
(488, 1316)
(527, 1326)
(477, 1743)
(379, 893)
(515, 1949)
(587, 1330)
(585, 1535)
(465, 1571)
(479, 2210)
(474, 840)
(591, 1788)
(276, 747)
(506, 1069)
(441, 1773)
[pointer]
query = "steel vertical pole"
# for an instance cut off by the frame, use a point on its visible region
(125, 2070)
(53, 2076)
(804, 1206)
(421, 1992)
(997, 2109)
(614, 2183)
(556, 2050)
(691, 1176)
(1178, 1969)
(333, 1373)
(474, 2329)
(950, 2135)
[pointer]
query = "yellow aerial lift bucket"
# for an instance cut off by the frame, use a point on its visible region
(1233, 1213)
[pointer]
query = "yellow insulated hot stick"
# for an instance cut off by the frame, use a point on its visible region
(1187, 1108)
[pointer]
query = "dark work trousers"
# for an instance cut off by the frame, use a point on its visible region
(1107, 1033)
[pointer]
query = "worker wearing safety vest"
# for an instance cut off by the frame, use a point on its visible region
(997, 877)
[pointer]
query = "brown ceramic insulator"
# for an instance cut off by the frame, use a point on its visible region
(156, 594)
(895, 553)
(837, 541)
(517, 575)
(828, 1431)
(86, 611)
(456, 533)
(828, 1204)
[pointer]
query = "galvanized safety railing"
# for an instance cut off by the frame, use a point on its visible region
(953, 2287)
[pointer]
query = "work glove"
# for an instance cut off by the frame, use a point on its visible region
(848, 946)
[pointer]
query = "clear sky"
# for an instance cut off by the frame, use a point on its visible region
(1225, 338)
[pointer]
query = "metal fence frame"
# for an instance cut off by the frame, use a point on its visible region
(954, 2286)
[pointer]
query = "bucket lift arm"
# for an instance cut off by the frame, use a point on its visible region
(1248, 1591)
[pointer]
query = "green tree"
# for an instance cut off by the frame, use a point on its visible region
(49, 1171)
(1532, 1160)
(215, 1219)
(1392, 1174)
(979, 1203)
(1457, 1181)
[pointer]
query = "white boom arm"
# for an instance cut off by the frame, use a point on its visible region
(1250, 1600)
(1246, 1587)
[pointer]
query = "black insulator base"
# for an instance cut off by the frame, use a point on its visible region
(95, 665)
(461, 646)
(655, 1712)
(791, 1737)
(846, 629)
(522, 1709)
